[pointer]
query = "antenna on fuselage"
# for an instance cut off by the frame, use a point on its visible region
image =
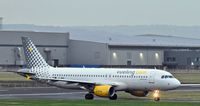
(165, 68)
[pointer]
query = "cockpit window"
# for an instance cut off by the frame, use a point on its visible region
(166, 76)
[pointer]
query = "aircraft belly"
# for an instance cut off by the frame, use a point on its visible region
(139, 85)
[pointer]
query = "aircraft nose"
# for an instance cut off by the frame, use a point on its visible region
(177, 83)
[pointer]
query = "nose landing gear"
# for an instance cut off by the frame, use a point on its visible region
(156, 95)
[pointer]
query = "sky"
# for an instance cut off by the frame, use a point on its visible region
(101, 12)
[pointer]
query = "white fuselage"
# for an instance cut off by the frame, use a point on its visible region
(124, 79)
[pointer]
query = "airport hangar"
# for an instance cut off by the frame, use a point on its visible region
(137, 51)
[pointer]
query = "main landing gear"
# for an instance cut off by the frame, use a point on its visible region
(114, 97)
(90, 96)
(156, 95)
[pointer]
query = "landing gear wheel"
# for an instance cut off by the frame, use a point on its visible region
(157, 99)
(114, 97)
(89, 96)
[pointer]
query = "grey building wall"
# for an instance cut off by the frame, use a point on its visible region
(51, 45)
(7, 56)
(88, 53)
(130, 56)
(58, 47)
(1, 22)
(93, 53)
(182, 57)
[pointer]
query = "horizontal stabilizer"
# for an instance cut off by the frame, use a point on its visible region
(25, 71)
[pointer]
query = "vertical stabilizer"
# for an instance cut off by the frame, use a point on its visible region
(33, 58)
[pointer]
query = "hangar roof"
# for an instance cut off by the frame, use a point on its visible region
(154, 40)
(13, 38)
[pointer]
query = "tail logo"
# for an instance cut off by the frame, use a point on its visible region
(30, 49)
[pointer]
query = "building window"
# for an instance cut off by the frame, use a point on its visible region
(174, 59)
(171, 59)
(189, 61)
(197, 59)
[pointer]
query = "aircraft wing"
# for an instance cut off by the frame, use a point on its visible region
(82, 82)
(24, 71)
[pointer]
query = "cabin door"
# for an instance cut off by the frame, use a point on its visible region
(151, 77)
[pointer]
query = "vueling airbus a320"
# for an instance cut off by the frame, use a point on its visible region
(102, 82)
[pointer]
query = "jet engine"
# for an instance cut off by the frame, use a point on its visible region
(104, 91)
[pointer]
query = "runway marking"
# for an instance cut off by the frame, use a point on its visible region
(3, 90)
(41, 94)
(197, 90)
(36, 87)
(190, 85)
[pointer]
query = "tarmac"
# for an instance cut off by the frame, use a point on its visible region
(59, 93)
(40, 93)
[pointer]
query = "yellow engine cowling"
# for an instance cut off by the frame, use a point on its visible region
(139, 93)
(104, 91)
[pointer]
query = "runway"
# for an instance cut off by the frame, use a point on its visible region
(59, 93)
(40, 93)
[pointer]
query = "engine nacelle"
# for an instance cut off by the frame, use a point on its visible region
(104, 91)
(139, 93)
